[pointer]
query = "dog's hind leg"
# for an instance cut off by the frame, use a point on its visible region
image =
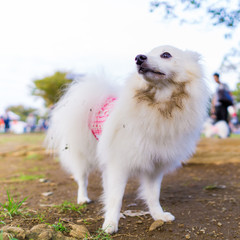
(82, 181)
(79, 166)
(114, 186)
(150, 192)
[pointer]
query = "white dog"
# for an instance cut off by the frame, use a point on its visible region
(219, 129)
(154, 124)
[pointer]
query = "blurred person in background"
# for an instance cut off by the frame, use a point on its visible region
(31, 122)
(6, 120)
(221, 100)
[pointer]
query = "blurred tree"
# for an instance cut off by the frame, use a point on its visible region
(220, 12)
(51, 88)
(21, 111)
(236, 93)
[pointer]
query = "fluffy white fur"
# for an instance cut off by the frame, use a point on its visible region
(153, 127)
(219, 129)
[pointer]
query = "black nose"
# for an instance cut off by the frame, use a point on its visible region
(140, 59)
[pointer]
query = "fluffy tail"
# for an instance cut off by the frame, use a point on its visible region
(68, 128)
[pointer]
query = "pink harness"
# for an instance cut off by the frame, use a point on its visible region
(95, 124)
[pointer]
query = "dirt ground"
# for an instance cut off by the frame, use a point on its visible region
(203, 195)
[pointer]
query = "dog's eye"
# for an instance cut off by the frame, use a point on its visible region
(166, 55)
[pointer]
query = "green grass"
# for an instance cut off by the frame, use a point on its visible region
(231, 136)
(235, 135)
(32, 138)
(100, 235)
(210, 187)
(68, 206)
(37, 169)
(34, 156)
(41, 217)
(10, 207)
(24, 177)
(59, 226)
(2, 222)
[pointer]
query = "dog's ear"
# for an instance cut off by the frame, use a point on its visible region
(193, 55)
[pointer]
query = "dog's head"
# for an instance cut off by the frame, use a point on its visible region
(166, 64)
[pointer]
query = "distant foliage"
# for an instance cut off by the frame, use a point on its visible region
(219, 11)
(50, 88)
(21, 111)
(236, 93)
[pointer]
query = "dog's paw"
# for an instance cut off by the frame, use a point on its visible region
(164, 216)
(82, 200)
(110, 227)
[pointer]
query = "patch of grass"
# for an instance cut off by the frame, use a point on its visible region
(11, 208)
(68, 206)
(60, 227)
(33, 138)
(41, 217)
(24, 177)
(235, 135)
(2, 222)
(100, 235)
(34, 156)
(86, 222)
(36, 169)
(210, 187)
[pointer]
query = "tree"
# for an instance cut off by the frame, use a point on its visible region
(51, 88)
(236, 93)
(21, 111)
(218, 11)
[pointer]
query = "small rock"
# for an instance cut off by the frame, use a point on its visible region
(66, 220)
(46, 194)
(43, 180)
(46, 235)
(17, 232)
(78, 231)
(22, 153)
(134, 213)
(60, 236)
(219, 224)
(187, 236)
(181, 225)
(155, 225)
(47, 205)
(38, 230)
(5, 236)
(122, 216)
(224, 209)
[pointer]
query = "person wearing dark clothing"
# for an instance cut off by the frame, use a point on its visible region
(220, 105)
(6, 120)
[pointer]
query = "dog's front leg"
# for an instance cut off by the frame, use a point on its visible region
(150, 192)
(114, 185)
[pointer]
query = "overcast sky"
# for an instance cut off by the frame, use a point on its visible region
(41, 37)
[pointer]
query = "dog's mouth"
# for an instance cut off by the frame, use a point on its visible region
(143, 70)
